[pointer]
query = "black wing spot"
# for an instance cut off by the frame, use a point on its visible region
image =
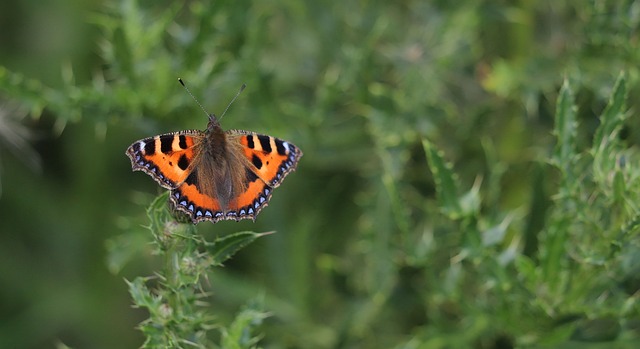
(265, 142)
(251, 177)
(183, 142)
(150, 147)
(256, 161)
(250, 141)
(183, 162)
(280, 147)
(192, 179)
(166, 144)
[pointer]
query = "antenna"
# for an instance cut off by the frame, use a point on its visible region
(233, 100)
(201, 107)
(192, 96)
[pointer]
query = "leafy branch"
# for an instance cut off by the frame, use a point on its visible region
(175, 296)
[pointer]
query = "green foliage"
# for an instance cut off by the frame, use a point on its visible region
(470, 175)
(238, 335)
(177, 306)
(570, 288)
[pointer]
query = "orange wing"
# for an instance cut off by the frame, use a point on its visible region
(166, 158)
(201, 207)
(271, 158)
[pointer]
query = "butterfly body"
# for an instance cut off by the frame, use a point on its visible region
(215, 174)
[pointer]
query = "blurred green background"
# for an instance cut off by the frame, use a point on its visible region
(366, 254)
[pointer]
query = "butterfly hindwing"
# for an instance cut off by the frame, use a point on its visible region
(271, 158)
(188, 198)
(166, 158)
(199, 207)
(252, 200)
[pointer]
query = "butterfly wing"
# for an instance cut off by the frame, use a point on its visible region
(267, 161)
(188, 198)
(166, 158)
(271, 158)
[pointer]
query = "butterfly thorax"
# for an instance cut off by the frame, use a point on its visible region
(221, 160)
(215, 140)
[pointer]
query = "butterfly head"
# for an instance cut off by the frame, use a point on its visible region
(213, 123)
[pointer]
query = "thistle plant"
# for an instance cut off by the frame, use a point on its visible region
(176, 297)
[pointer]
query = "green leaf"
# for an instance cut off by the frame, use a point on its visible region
(158, 213)
(605, 142)
(613, 116)
(445, 180)
(141, 295)
(619, 186)
(239, 334)
(225, 247)
(565, 131)
(164, 225)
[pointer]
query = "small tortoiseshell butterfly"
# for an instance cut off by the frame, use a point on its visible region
(214, 174)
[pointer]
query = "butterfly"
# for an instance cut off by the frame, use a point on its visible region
(214, 174)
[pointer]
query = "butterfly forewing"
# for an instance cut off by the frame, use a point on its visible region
(166, 158)
(271, 158)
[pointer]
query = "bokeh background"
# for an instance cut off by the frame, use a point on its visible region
(364, 255)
